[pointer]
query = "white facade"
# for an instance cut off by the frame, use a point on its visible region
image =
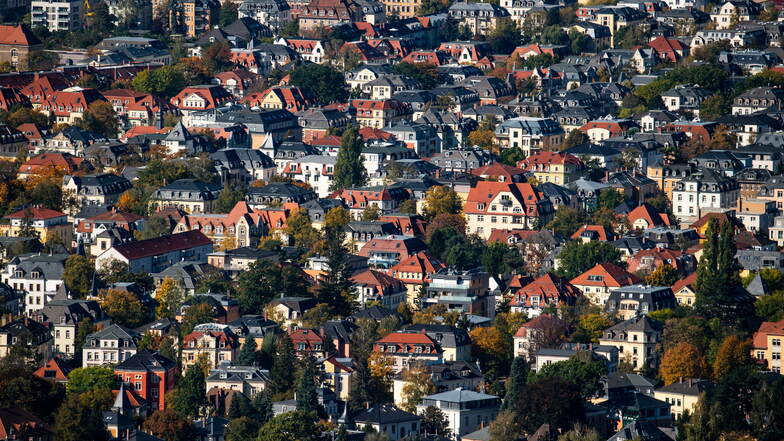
(56, 15)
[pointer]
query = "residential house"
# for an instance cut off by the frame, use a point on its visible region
(214, 342)
(545, 291)
(153, 255)
(767, 344)
(632, 300)
(97, 189)
(387, 419)
(194, 99)
(637, 340)
(17, 42)
(64, 316)
(683, 395)
(39, 276)
(465, 291)
(556, 167)
(493, 205)
(149, 375)
(479, 18)
(28, 332)
(110, 345)
(375, 286)
(379, 113)
(249, 380)
(466, 410)
(415, 271)
(190, 195)
(597, 282)
(404, 348)
(702, 192)
(758, 99)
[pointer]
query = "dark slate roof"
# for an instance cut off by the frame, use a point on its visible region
(384, 414)
(693, 387)
(375, 313)
(146, 361)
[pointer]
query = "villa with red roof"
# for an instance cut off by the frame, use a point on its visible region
(65, 162)
(587, 233)
(289, 98)
(216, 346)
(434, 58)
(502, 204)
(48, 224)
(601, 129)
(597, 282)
(375, 286)
(546, 290)
(669, 50)
(199, 98)
(10, 97)
(405, 348)
(68, 106)
(556, 167)
(415, 271)
(240, 227)
(685, 290)
(136, 108)
(309, 49)
(16, 44)
(767, 345)
(496, 171)
(645, 216)
(236, 81)
(155, 255)
(36, 138)
(379, 113)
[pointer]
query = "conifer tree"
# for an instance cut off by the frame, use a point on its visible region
(307, 397)
(518, 377)
(349, 168)
(281, 374)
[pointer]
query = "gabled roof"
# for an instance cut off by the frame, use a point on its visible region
(18, 36)
(385, 414)
(653, 216)
(145, 361)
(163, 244)
(36, 213)
(611, 275)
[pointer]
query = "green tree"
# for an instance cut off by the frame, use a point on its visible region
(515, 387)
(349, 169)
(435, 422)
(770, 307)
(165, 81)
(247, 355)
(79, 421)
(320, 82)
(567, 220)
(78, 275)
(307, 397)
(228, 13)
(371, 213)
(263, 281)
(335, 289)
(229, 196)
(336, 218)
(499, 258)
(512, 156)
(718, 290)
(189, 397)
(714, 107)
(504, 37)
(409, 206)
(300, 228)
(505, 427)
(85, 379)
(425, 73)
(610, 198)
(581, 370)
(295, 426)
(101, 118)
(577, 257)
(169, 297)
(242, 429)
(196, 314)
(124, 308)
(551, 400)
(281, 374)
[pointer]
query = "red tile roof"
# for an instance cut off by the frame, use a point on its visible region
(651, 215)
(602, 233)
(162, 245)
(64, 161)
(549, 288)
(383, 283)
(612, 276)
(690, 280)
(765, 329)
(422, 264)
(36, 213)
(15, 420)
(18, 36)
(546, 158)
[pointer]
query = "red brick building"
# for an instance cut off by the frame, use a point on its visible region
(150, 375)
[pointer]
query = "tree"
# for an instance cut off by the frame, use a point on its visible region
(42, 60)
(551, 400)
(307, 396)
(124, 308)
(418, 384)
(718, 290)
(581, 433)
(169, 297)
(229, 196)
(441, 200)
(189, 397)
(247, 355)
(770, 307)
(262, 402)
(365, 388)
(506, 427)
(335, 288)
(77, 420)
(425, 73)
(78, 275)
(610, 198)
(320, 82)
(515, 387)
(263, 281)
(483, 138)
(499, 258)
(216, 57)
(504, 37)
(434, 422)
(296, 426)
(281, 374)
(733, 353)
(585, 372)
(165, 81)
(242, 428)
(349, 169)
(101, 118)
(409, 206)
(429, 7)
(336, 218)
(577, 257)
(567, 220)
(663, 275)
(714, 107)
(19, 388)
(371, 213)
(85, 379)
(682, 361)
(169, 425)
(300, 228)
(195, 314)
(487, 345)
(454, 223)
(228, 13)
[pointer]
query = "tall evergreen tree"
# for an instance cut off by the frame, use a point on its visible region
(190, 393)
(515, 388)
(719, 293)
(282, 372)
(307, 397)
(349, 168)
(335, 289)
(262, 402)
(247, 355)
